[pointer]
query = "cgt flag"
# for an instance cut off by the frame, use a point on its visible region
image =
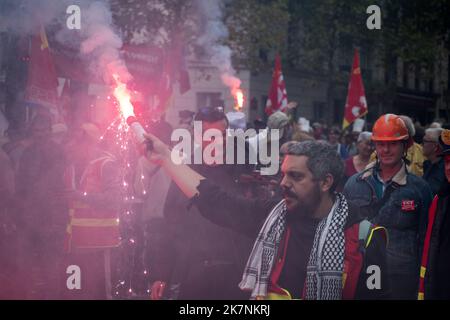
(42, 81)
(356, 105)
(277, 99)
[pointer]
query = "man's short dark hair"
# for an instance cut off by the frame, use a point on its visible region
(322, 159)
(209, 114)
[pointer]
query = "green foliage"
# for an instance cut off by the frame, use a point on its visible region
(413, 30)
(162, 19)
(257, 30)
(318, 28)
(307, 33)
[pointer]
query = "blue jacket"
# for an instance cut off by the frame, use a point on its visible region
(403, 209)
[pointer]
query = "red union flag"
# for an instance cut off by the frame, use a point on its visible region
(277, 99)
(356, 105)
(42, 80)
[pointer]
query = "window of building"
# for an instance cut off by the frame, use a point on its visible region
(319, 110)
(262, 111)
(405, 75)
(338, 113)
(209, 99)
(431, 85)
(263, 102)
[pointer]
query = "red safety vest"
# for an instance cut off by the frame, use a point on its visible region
(426, 248)
(91, 227)
(353, 261)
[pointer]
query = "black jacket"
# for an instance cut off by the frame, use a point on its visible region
(206, 258)
(247, 216)
(437, 277)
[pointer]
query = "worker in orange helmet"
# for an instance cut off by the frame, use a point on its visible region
(390, 196)
(414, 156)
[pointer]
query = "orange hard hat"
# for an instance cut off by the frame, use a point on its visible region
(389, 127)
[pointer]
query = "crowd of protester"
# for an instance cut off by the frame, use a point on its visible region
(62, 200)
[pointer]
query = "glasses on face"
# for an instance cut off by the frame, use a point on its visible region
(427, 141)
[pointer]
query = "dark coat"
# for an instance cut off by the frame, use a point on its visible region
(437, 277)
(206, 259)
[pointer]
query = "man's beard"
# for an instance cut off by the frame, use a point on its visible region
(306, 207)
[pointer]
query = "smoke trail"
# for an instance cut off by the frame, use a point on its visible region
(101, 44)
(97, 41)
(215, 33)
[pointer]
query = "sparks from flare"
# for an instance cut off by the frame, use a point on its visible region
(122, 134)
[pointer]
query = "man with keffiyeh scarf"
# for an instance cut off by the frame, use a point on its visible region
(312, 245)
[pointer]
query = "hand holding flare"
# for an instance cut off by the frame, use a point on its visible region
(186, 178)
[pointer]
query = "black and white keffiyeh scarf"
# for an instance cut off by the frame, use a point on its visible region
(326, 260)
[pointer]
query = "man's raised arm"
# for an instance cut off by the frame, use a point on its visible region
(237, 213)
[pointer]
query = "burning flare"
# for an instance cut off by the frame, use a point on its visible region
(123, 96)
(239, 99)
